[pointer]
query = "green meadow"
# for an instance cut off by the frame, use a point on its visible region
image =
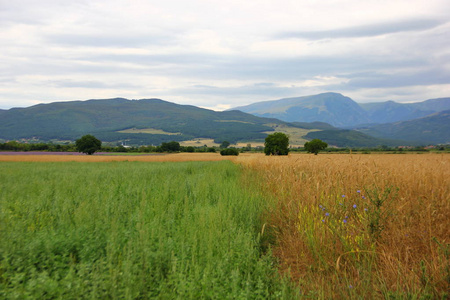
(135, 230)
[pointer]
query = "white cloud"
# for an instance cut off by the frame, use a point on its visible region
(374, 49)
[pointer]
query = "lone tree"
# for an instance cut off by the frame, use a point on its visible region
(88, 144)
(276, 144)
(224, 144)
(315, 146)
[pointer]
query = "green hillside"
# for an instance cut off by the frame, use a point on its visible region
(352, 138)
(434, 129)
(107, 118)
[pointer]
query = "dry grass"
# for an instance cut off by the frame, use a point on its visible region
(409, 258)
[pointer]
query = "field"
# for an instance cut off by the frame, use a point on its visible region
(187, 226)
(362, 226)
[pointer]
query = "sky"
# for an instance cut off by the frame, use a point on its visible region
(223, 54)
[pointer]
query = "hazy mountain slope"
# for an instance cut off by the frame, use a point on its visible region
(332, 108)
(341, 111)
(390, 111)
(434, 128)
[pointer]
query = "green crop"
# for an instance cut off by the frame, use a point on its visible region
(133, 230)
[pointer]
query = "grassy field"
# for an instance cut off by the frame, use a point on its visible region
(133, 230)
(340, 226)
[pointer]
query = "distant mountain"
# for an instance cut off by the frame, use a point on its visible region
(434, 129)
(332, 108)
(343, 112)
(390, 111)
(146, 121)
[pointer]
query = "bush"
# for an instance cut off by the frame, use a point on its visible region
(229, 151)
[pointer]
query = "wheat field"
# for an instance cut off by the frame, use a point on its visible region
(370, 226)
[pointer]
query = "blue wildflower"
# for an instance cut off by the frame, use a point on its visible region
(327, 214)
(358, 191)
(343, 196)
(354, 205)
(345, 221)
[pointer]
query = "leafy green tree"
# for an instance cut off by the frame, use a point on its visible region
(315, 146)
(224, 144)
(88, 144)
(276, 144)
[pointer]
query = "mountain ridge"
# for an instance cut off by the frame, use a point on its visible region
(341, 111)
(153, 121)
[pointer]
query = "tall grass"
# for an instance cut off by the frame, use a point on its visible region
(362, 226)
(133, 230)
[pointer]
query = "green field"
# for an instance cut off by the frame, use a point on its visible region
(190, 230)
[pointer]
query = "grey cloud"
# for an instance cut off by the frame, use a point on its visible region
(365, 31)
(90, 84)
(263, 91)
(417, 78)
(110, 40)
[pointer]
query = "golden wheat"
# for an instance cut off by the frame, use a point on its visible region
(411, 256)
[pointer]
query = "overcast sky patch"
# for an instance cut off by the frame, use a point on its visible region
(223, 53)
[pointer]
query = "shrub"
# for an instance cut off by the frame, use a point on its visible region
(229, 151)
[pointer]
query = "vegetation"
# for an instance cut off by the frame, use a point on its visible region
(315, 146)
(224, 144)
(353, 138)
(276, 144)
(229, 151)
(88, 144)
(361, 226)
(169, 147)
(134, 230)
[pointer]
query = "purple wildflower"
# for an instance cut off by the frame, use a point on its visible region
(354, 205)
(327, 214)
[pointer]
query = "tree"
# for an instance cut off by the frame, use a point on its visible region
(315, 146)
(276, 144)
(224, 144)
(88, 144)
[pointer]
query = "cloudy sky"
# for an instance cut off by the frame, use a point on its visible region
(220, 54)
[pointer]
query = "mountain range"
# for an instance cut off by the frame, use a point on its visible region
(153, 121)
(342, 111)
(424, 122)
